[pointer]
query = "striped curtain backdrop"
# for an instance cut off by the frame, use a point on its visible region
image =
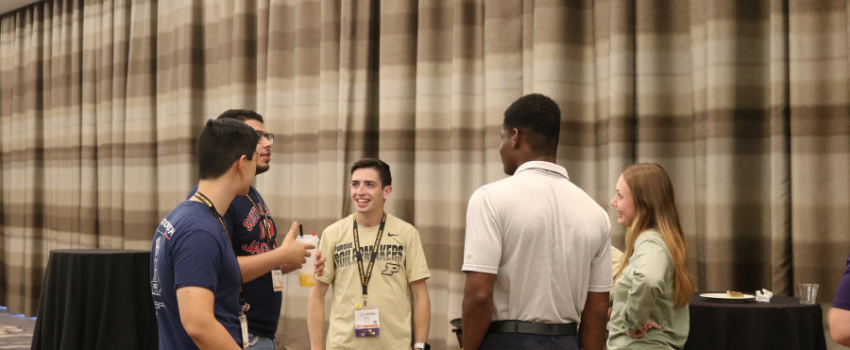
(745, 103)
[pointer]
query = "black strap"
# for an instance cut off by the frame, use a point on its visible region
(365, 277)
(243, 305)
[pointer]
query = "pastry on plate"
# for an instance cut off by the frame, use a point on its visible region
(734, 294)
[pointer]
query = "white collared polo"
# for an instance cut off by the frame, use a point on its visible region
(545, 239)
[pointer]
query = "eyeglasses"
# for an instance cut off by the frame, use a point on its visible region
(265, 135)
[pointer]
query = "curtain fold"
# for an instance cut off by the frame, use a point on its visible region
(744, 103)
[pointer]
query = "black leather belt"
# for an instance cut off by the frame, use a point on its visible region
(532, 328)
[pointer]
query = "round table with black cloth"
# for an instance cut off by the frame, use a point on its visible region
(783, 323)
(96, 299)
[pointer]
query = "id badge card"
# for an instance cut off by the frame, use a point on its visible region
(277, 280)
(367, 322)
(243, 321)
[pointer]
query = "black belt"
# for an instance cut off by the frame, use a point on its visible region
(532, 328)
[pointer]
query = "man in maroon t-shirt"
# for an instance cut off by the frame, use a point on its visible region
(254, 242)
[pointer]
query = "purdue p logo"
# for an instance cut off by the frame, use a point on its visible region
(390, 269)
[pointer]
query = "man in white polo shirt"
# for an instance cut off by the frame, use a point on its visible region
(537, 254)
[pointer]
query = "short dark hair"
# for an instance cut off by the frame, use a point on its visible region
(241, 115)
(539, 118)
(382, 168)
(222, 142)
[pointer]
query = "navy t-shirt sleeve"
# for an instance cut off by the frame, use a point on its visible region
(842, 296)
(197, 259)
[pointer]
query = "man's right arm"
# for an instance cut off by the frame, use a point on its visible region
(196, 314)
(477, 309)
(482, 256)
(593, 320)
(316, 314)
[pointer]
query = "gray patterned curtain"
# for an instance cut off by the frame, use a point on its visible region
(745, 103)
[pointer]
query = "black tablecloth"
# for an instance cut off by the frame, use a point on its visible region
(783, 323)
(96, 299)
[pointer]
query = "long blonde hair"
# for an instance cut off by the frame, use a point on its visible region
(655, 209)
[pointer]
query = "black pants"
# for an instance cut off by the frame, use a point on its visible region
(506, 341)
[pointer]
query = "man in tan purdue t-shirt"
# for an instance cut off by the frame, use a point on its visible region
(398, 270)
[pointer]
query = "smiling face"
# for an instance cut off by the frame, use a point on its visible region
(366, 192)
(264, 148)
(624, 203)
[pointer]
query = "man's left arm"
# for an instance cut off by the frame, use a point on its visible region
(290, 255)
(421, 310)
(196, 306)
(593, 320)
(417, 271)
(596, 313)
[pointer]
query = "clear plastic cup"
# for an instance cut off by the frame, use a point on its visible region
(808, 293)
(307, 273)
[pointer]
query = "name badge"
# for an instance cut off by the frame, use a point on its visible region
(367, 323)
(243, 321)
(277, 280)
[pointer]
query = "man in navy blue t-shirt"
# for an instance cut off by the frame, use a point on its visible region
(188, 252)
(254, 241)
(195, 275)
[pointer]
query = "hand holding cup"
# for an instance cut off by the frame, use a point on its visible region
(294, 253)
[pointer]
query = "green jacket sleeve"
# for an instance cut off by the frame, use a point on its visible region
(649, 267)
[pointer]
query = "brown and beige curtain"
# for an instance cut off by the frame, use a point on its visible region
(745, 103)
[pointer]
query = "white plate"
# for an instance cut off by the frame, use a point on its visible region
(722, 298)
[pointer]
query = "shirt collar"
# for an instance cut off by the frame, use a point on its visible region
(536, 164)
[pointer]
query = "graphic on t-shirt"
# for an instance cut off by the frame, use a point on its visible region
(252, 219)
(156, 289)
(256, 247)
(165, 229)
(390, 269)
(254, 216)
(344, 253)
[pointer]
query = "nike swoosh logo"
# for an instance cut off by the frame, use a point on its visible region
(392, 234)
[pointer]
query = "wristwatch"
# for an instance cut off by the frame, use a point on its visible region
(423, 346)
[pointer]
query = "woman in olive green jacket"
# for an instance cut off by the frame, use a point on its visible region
(653, 286)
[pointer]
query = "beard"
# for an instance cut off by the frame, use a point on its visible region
(262, 168)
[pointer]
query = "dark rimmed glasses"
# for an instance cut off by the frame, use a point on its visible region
(265, 135)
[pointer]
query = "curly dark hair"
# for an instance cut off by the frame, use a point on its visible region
(539, 118)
